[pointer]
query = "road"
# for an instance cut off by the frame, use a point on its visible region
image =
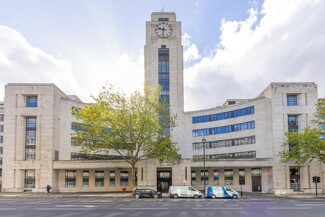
(253, 206)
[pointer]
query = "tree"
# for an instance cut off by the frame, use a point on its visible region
(303, 147)
(136, 127)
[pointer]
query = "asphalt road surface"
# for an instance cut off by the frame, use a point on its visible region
(130, 207)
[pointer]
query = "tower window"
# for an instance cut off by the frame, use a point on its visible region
(292, 100)
(163, 19)
(31, 101)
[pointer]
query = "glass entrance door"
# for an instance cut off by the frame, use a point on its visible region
(164, 180)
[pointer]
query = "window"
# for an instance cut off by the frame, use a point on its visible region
(30, 152)
(112, 178)
(216, 177)
(1, 128)
(241, 175)
(1, 117)
(70, 178)
(204, 177)
(31, 101)
(29, 179)
(193, 177)
(1, 150)
(73, 141)
(292, 100)
(160, 19)
(1, 139)
(0, 161)
(99, 178)
(56, 155)
(85, 178)
(124, 178)
(229, 177)
(224, 115)
(256, 172)
(74, 110)
(224, 129)
(293, 123)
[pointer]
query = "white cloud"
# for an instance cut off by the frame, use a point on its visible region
(22, 63)
(191, 52)
(283, 42)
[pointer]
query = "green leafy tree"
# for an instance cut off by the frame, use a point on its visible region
(135, 127)
(303, 147)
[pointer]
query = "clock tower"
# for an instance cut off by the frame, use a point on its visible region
(164, 65)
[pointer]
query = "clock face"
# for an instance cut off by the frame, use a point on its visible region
(163, 30)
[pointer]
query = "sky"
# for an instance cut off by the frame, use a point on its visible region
(232, 49)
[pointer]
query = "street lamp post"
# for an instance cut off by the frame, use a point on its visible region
(203, 143)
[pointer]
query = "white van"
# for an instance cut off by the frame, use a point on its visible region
(184, 191)
(221, 191)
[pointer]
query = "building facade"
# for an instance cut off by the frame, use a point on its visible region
(1, 140)
(236, 144)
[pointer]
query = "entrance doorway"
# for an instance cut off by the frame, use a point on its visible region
(164, 179)
(256, 179)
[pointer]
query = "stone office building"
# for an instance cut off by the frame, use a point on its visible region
(242, 138)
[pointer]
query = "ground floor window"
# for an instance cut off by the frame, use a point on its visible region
(99, 178)
(70, 178)
(112, 178)
(229, 177)
(216, 177)
(193, 177)
(29, 179)
(124, 178)
(241, 174)
(204, 177)
(85, 178)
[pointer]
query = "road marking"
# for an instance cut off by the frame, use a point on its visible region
(288, 208)
(206, 208)
(311, 204)
(86, 206)
(142, 208)
(64, 209)
(8, 209)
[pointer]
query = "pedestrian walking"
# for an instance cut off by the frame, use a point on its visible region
(48, 188)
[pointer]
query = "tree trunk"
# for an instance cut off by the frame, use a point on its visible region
(133, 175)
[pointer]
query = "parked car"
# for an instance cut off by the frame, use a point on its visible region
(146, 192)
(221, 192)
(184, 191)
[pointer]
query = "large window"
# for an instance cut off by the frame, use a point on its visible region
(1, 139)
(31, 101)
(292, 100)
(193, 177)
(293, 123)
(30, 138)
(112, 178)
(70, 178)
(30, 152)
(224, 129)
(85, 178)
(226, 156)
(204, 177)
(241, 175)
(1, 117)
(229, 177)
(1, 150)
(1, 128)
(216, 177)
(29, 179)
(124, 178)
(163, 72)
(224, 143)
(224, 115)
(99, 178)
